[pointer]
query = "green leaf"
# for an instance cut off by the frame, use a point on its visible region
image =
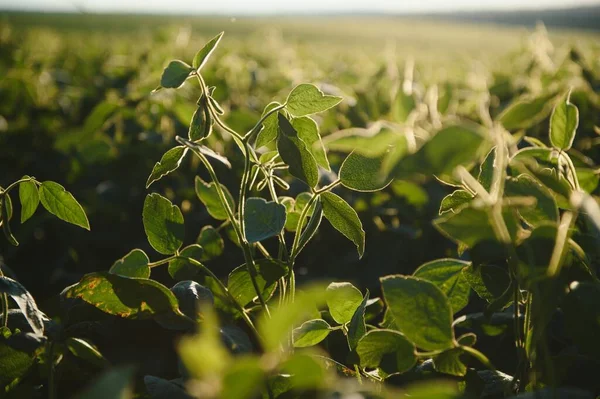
(25, 302)
(84, 350)
(402, 106)
(545, 209)
(447, 275)
(134, 264)
(448, 362)
(311, 333)
(114, 383)
(421, 311)
(525, 113)
(29, 197)
(306, 99)
(376, 345)
(169, 162)
(371, 142)
(361, 173)
(312, 226)
(488, 281)
(450, 147)
(357, 327)
(486, 170)
(207, 193)
(181, 269)
(263, 219)
(454, 202)
(193, 298)
(163, 223)
(270, 126)
(14, 365)
(563, 124)
(204, 53)
(127, 297)
(5, 216)
(200, 149)
(343, 299)
(201, 124)
(175, 74)
(240, 284)
(212, 243)
(308, 132)
(344, 219)
(295, 153)
(62, 204)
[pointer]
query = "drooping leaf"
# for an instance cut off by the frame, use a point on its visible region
(169, 162)
(295, 153)
(308, 132)
(14, 365)
(201, 123)
(207, 193)
(357, 327)
(29, 197)
(204, 53)
(212, 243)
(263, 219)
(447, 275)
(84, 350)
(25, 302)
(270, 126)
(450, 147)
(163, 223)
(62, 204)
(200, 149)
(311, 333)
(240, 283)
(344, 219)
(421, 311)
(343, 299)
(134, 264)
(454, 202)
(362, 173)
(563, 124)
(377, 344)
(127, 297)
(181, 269)
(175, 74)
(306, 99)
(114, 383)
(5, 216)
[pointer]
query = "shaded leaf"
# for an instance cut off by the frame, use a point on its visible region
(357, 327)
(240, 284)
(308, 132)
(311, 333)
(207, 193)
(84, 350)
(344, 219)
(454, 202)
(375, 345)
(362, 173)
(263, 219)
(270, 126)
(295, 153)
(447, 275)
(163, 224)
(114, 383)
(181, 269)
(175, 74)
(25, 302)
(212, 243)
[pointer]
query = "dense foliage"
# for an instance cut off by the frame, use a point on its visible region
(456, 219)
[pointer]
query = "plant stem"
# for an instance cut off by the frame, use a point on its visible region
(328, 187)
(162, 261)
(479, 356)
(14, 184)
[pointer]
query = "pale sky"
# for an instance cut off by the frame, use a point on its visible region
(233, 7)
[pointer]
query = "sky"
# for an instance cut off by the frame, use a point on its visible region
(240, 7)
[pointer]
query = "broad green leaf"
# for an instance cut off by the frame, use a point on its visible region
(84, 350)
(563, 124)
(367, 142)
(525, 113)
(470, 225)
(29, 197)
(311, 333)
(134, 264)
(25, 302)
(362, 173)
(175, 74)
(114, 383)
(357, 327)
(240, 283)
(450, 147)
(163, 223)
(449, 362)
(375, 345)
(181, 269)
(343, 299)
(308, 132)
(486, 170)
(132, 298)
(344, 219)
(62, 204)
(212, 243)
(295, 153)
(306, 99)
(201, 123)
(204, 53)
(169, 162)
(545, 209)
(207, 193)
(488, 281)
(454, 202)
(402, 106)
(447, 275)
(263, 219)
(270, 126)
(14, 365)
(421, 311)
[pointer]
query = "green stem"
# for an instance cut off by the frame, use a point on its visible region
(162, 261)
(329, 187)
(14, 184)
(479, 356)
(248, 136)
